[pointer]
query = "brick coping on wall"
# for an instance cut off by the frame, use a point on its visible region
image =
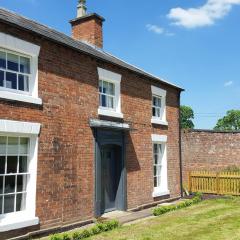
(210, 131)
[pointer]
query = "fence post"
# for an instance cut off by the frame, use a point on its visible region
(217, 183)
(189, 182)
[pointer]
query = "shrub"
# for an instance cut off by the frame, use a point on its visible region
(56, 237)
(95, 230)
(164, 209)
(84, 234)
(66, 237)
(78, 235)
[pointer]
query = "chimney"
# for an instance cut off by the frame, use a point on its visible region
(87, 27)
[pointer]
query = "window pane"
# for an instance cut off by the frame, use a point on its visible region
(12, 62)
(3, 145)
(154, 111)
(1, 185)
(2, 164)
(24, 65)
(21, 202)
(1, 78)
(155, 182)
(154, 171)
(110, 102)
(111, 89)
(159, 181)
(23, 146)
(12, 145)
(159, 168)
(1, 202)
(12, 162)
(9, 184)
(9, 203)
(21, 183)
(103, 101)
(23, 83)
(155, 146)
(23, 164)
(105, 86)
(2, 60)
(11, 80)
(100, 86)
(157, 112)
(154, 101)
(156, 159)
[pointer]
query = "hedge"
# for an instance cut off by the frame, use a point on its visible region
(164, 209)
(78, 235)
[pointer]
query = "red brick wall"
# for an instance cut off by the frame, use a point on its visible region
(68, 86)
(89, 30)
(206, 150)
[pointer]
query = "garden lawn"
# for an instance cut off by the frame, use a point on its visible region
(212, 219)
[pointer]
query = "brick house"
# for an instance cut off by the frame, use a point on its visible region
(81, 131)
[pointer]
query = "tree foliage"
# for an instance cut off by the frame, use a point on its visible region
(230, 122)
(187, 116)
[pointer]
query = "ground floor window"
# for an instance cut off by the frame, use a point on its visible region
(160, 171)
(14, 173)
(158, 153)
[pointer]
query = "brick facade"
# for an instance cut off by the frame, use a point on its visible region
(209, 150)
(68, 86)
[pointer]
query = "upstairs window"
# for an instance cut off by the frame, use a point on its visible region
(14, 173)
(107, 96)
(159, 106)
(19, 70)
(15, 71)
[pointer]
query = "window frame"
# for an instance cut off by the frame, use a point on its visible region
(22, 48)
(25, 218)
(111, 77)
(107, 95)
(162, 189)
(159, 93)
(6, 174)
(4, 88)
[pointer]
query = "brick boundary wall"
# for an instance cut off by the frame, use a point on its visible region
(209, 150)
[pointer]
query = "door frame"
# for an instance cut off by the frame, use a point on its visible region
(109, 137)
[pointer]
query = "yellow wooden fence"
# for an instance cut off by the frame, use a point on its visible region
(223, 183)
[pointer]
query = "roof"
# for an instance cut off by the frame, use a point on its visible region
(61, 38)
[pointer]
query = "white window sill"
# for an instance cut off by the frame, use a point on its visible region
(20, 97)
(160, 193)
(109, 113)
(9, 224)
(159, 121)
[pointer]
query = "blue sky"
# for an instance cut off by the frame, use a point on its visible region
(194, 44)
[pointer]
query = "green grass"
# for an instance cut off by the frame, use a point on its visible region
(213, 219)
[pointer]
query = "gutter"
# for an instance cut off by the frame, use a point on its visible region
(180, 144)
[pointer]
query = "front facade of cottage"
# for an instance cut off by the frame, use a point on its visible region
(81, 132)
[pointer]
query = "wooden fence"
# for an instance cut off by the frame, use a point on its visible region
(223, 183)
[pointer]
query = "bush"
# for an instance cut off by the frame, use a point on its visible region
(76, 236)
(56, 237)
(95, 230)
(98, 228)
(164, 209)
(66, 237)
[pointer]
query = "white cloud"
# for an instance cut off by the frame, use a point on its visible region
(154, 28)
(204, 15)
(158, 30)
(228, 84)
